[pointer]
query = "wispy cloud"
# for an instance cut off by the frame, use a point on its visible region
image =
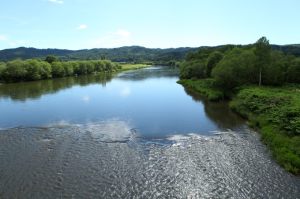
(56, 1)
(120, 37)
(10, 42)
(82, 27)
(3, 38)
(123, 33)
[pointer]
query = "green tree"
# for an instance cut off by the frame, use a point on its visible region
(213, 59)
(2, 69)
(235, 69)
(68, 67)
(33, 69)
(57, 69)
(263, 55)
(293, 71)
(45, 70)
(274, 73)
(15, 71)
(51, 58)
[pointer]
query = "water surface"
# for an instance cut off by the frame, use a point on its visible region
(134, 135)
(149, 100)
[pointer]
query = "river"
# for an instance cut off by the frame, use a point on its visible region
(136, 134)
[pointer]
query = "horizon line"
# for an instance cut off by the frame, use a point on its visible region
(142, 47)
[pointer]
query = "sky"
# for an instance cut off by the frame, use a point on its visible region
(85, 24)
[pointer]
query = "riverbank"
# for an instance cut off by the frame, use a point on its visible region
(205, 87)
(125, 67)
(274, 111)
(33, 69)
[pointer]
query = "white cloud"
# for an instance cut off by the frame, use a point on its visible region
(123, 33)
(56, 1)
(82, 27)
(118, 38)
(3, 38)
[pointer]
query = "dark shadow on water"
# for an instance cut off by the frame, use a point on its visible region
(218, 112)
(35, 89)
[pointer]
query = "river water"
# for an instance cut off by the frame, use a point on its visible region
(137, 134)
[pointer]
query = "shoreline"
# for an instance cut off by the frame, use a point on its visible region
(273, 111)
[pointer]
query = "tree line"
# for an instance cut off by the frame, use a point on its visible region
(233, 66)
(34, 69)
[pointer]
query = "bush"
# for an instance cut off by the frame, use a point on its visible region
(57, 69)
(2, 69)
(193, 69)
(14, 71)
(235, 69)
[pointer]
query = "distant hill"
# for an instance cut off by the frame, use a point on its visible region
(122, 54)
(28, 53)
(293, 49)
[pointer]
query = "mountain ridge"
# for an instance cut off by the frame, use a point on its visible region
(121, 54)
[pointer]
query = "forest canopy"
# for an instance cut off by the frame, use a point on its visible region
(233, 66)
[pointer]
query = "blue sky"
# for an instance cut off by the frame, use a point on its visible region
(79, 24)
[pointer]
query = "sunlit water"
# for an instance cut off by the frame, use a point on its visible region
(135, 135)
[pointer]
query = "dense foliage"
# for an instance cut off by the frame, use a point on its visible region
(33, 69)
(236, 66)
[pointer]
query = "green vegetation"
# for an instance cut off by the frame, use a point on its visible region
(276, 112)
(206, 87)
(130, 54)
(133, 66)
(32, 69)
(233, 66)
(265, 84)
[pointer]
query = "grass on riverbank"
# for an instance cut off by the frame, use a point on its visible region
(274, 111)
(205, 87)
(125, 67)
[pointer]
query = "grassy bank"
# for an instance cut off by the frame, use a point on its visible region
(205, 87)
(125, 67)
(274, 111)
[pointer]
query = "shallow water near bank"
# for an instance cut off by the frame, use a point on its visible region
(134, 135)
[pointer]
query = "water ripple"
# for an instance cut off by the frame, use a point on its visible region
(109, 160)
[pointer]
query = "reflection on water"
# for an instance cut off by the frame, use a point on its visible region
(110, 160)
(151, 72)
(149, 98)
(219, 112)
(35, 89)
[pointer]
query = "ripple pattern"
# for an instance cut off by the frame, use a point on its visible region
(109, 160)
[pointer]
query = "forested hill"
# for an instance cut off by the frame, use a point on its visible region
(122, 54)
